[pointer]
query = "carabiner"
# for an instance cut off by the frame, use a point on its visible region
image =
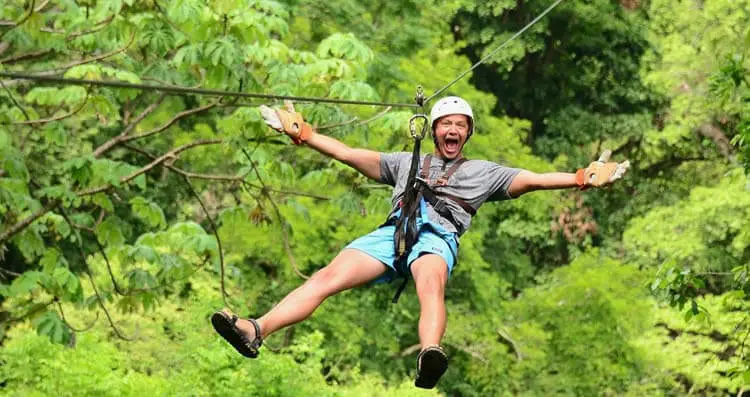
(413, 126)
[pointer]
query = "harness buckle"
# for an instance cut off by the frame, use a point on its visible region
(439, 206)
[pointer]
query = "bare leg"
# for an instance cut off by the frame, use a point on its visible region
(430, 274)
(350, 268)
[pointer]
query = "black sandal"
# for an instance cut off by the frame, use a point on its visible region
(227, 328)
(431, 365)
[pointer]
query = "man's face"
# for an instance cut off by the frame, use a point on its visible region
(451, 132)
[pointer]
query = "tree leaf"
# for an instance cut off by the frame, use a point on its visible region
(148, 212)
(25, 283)
(109, 232)
(52, 326)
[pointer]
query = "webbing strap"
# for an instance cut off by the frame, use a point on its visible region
(443, 180)
(425, 174)
(433, 198)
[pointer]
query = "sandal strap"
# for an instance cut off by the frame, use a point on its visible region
(425, 350)
(258, 341)
(254, 344)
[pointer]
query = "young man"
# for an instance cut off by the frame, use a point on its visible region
(461, 187)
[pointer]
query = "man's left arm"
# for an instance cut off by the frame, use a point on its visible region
(599, 173)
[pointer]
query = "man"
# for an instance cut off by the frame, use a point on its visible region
(459, 188)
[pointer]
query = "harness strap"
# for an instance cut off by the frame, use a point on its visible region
(406, 233)
(443, 180)
(433, 198)
(425, 173)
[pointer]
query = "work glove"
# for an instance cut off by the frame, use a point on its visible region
(287, 121)
(601, 172)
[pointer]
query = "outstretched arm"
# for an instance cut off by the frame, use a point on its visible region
(290, 122)
(598, 173)
(527, 181)
(365, 161)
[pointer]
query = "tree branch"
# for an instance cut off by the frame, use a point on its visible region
(28, 55)
(18, 227)
(58, 118)
(291, 193)
(99, 26)
(89, 60)
(213, 177)
(104, 308)
(34, 310)
(172, 154)
(78, 63)
(13, 99)
(24, 19)
(716, 134)
(169, 123)
(410, 350)
(504, 335)
(472, 353)
(669, 162)
(84, 329)
(166, 18)
(106, 146)
(279, 217)
(627, 146)
(215, 230)
(87, 269)
(118, 290)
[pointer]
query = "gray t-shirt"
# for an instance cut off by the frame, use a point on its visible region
(475, 181)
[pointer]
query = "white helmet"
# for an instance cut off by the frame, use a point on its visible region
(451, 105)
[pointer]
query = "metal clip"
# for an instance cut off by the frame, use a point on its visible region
(420, 96)
(413, 126)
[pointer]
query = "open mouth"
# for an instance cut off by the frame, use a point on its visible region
(451, 145)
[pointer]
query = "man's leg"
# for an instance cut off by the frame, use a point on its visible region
(430, 273)
(351, 268)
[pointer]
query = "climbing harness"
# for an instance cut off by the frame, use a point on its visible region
(406, 233)
(419, 189)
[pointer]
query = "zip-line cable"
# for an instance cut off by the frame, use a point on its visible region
(177, 90)
(500, 47)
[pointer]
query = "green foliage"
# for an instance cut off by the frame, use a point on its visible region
(701, 63)
(547, 299)
(705, 233)
(175, 353)
(580, 321)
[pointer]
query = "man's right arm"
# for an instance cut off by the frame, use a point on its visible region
(287, 120)
(365, 161)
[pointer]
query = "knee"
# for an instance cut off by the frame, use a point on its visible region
(431, 285)
(323, 283)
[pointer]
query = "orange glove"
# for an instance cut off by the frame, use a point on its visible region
(287, 121)
(601, 172)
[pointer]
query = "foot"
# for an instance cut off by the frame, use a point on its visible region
(243, 335)
(245, 326)
(431, 365)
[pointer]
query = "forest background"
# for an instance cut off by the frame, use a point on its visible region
(126, 213)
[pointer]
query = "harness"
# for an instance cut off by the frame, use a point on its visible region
(410, 203)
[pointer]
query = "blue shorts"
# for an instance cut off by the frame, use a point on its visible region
(433, 239)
